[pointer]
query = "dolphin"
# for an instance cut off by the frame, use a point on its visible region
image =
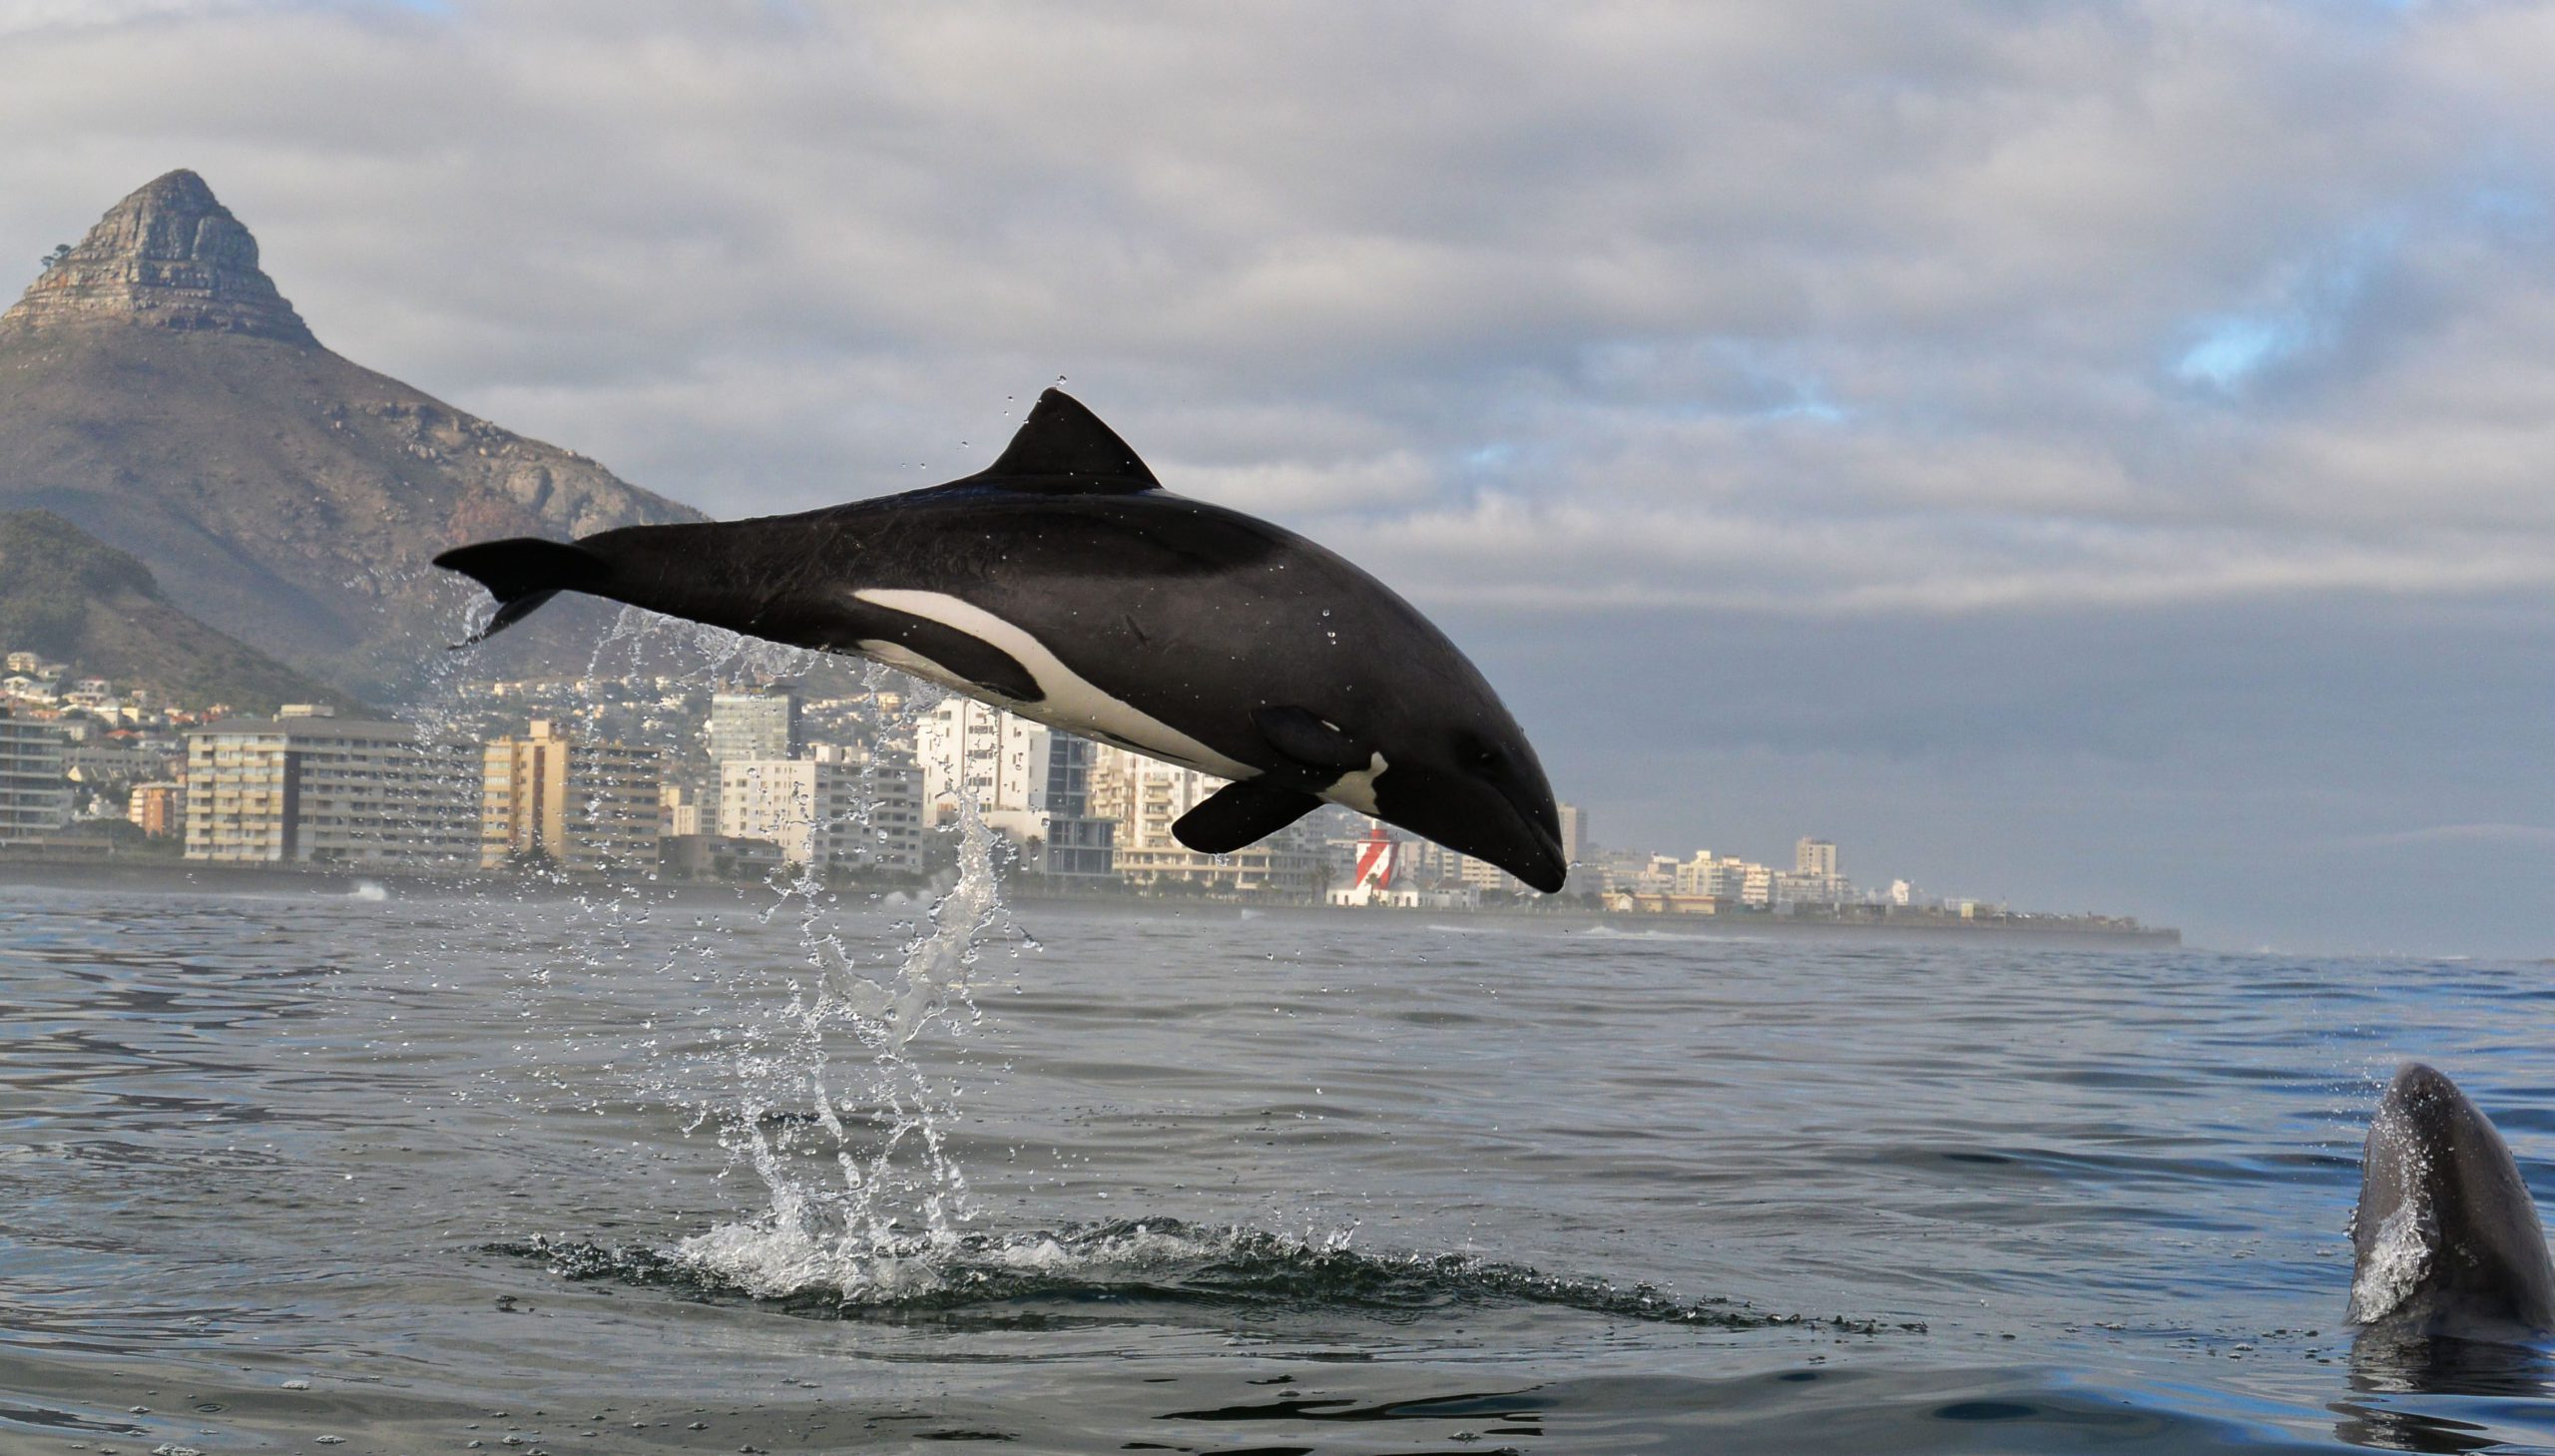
(2446, 1240)
(1063, 583)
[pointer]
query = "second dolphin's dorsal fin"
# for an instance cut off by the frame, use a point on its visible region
(1064, 447)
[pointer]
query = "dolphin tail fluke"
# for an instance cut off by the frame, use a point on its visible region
(521, 574)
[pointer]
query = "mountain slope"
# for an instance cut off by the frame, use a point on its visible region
(157, 390)
(67, 594)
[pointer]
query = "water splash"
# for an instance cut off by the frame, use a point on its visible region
(1159, 1261)
(896, 1187)
(816, 1086)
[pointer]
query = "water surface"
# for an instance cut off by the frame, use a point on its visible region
(358, 1175)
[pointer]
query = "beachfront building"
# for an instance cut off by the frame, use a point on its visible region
(35, 784)
(1814, 880)
(1146, 797)
(592, 808)
(838, 808)
(308, 787)
(1030, 782)
(1080, 847)
(996, 759)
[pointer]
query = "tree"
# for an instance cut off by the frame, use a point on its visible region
(61, 254)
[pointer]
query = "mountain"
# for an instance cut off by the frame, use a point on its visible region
(160, 393)
(67, 594)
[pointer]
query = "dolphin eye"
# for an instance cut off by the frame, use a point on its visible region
(1480, 754)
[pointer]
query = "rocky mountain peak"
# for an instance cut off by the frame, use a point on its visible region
(169, 255)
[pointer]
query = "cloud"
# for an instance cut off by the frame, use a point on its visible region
(1827, 278)
(1604, 320)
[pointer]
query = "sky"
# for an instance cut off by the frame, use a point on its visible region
(2091, 456)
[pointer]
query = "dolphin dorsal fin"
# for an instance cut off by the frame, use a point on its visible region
(1064, 447)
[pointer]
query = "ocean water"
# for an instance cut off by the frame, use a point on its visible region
(379, 1174)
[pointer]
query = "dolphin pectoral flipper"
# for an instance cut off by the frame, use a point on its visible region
(522, 573)
(1241, 815)
(1311, 739)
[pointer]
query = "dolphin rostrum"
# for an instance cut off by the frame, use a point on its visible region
(1063, 583)
(2445, 1239)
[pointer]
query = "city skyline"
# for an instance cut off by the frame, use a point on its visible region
(741, 782)
(2079, 442)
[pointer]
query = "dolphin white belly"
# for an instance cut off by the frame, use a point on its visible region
(1067, 701)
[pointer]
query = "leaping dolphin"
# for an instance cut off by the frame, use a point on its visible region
(1063, 583)
(2445, 1239)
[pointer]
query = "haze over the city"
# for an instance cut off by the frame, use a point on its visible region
(2087, 456)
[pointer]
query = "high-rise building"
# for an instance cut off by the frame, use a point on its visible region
(1814, 880)
(306, 787)
(838, 808)
(35, 786)
(1574, 832)
(591, 808)
(1079, 845)
(1028, 781)
(753, 725)
(994, 759)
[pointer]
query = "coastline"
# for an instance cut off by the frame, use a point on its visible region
(134, 874)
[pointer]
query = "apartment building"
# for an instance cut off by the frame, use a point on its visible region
(35, 786)
(838, 808)
(592, 808)
(1146, 798)
(308, 787)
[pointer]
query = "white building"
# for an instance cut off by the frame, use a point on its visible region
(1814, 856)
(306, 787)
(1814, 880)
(838, 808)
(35, 786)
(1481, 876)
(996, 759)
(1030, 782)
(1375, 878)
